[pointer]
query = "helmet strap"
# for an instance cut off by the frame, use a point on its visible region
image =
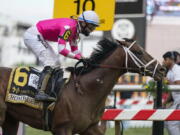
(84, 20)
(84, 27)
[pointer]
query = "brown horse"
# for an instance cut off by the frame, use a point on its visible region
(79, 109)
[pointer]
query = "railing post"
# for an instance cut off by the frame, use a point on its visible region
(117, 128)
(24, 129)
(117, 123)
(158, 126)
(115, 92)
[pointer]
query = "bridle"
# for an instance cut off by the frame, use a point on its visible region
(138, 62)
(142, 67)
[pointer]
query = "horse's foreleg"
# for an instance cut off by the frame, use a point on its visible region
(63, 131)
(97, 129)
(10, 126)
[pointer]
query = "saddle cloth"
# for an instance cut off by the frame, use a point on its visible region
(22, 87)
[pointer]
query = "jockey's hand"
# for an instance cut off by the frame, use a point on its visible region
(84, 58)
(78, 56)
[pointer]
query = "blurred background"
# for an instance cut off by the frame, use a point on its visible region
(155, 24)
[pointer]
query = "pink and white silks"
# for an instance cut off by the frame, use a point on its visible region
(60, 30)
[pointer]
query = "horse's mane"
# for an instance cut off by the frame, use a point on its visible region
(104, 48)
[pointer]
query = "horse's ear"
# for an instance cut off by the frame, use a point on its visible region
(123, 43)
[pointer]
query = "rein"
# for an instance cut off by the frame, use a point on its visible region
(114, 67)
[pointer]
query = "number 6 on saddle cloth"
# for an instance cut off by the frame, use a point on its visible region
(23, 83)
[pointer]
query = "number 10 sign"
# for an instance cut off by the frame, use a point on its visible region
(105, 10)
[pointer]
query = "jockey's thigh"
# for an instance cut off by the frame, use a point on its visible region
(31, 40)
(44, 53)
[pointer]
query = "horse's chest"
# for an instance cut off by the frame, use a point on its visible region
(82, 124)
(85, 120)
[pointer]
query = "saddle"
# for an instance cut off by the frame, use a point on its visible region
(22, 88)
(23, 84)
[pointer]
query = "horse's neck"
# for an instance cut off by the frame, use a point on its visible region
(104, 80)
(99, 82)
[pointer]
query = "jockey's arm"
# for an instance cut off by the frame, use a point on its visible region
(74, 48)
(65, 52)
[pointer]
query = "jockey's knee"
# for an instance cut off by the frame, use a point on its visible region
(49, 61)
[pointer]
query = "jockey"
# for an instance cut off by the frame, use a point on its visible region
(61, 30)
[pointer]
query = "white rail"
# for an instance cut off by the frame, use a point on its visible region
(140, 88)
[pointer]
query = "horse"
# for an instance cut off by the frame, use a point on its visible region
(80, 105)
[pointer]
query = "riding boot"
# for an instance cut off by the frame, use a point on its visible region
(43, 81)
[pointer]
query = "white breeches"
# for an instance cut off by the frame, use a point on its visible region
(40, 48)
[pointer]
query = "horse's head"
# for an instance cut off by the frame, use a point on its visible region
(138, 58)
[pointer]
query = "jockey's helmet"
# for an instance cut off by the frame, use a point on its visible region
(88, 20)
